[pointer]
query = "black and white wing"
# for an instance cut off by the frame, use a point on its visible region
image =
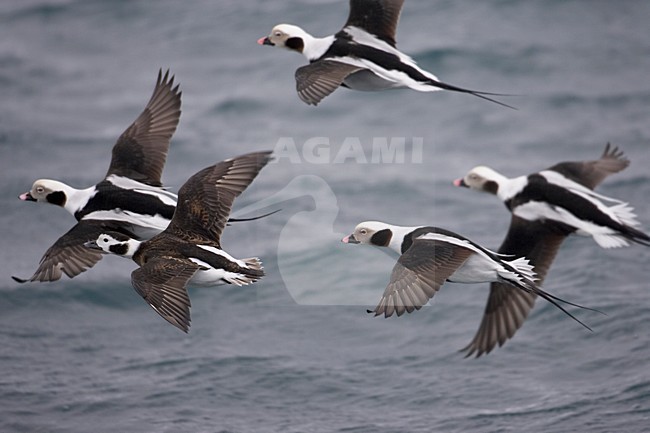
(377, 17)
(141, 151)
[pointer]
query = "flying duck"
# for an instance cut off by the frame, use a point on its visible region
(361, 56)
(188, 251)
(129, 199)
(429, 256)
(560, 187)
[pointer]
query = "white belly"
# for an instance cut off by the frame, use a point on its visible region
(209, 278)
(477, 269)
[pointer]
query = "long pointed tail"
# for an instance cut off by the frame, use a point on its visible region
(637, 236)
(522, 276)
(240, 220)
(556, 301)
(482, 95)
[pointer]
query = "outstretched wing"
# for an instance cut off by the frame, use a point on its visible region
(592, 173)
(508, 307)
(162, 283)
(205, 200)
(317, 80)
(418, 275)
(141, 151)
(68, 255)
(377, 17)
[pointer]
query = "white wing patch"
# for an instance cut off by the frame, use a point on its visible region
(397, 78)
(463, 243)
(224, 254)
(557, 179)
(362, 37)
(482, 268)
(157, 223)
(167, 197)
(620, 212)
(604, 236)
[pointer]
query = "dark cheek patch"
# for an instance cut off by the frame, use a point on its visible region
(381, 238)
(57, 198)
(491, 186)
(119, 249)
(295, 44)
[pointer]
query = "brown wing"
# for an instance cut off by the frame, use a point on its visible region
(592, 173)
(162, 283)
(419, 274)
(507, 307)
(141, 151)
(317, 80)
(68, 255)
(377, 17)
(205, 200)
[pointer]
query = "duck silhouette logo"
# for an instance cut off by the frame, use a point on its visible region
(309, 236)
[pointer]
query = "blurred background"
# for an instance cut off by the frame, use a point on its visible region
(297, 352)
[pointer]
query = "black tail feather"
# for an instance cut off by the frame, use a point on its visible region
(638, 237)
(643, 242)
(240, 220)
(556, 301)
(482, 95)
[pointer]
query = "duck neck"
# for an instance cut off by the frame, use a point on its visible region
(314, 48)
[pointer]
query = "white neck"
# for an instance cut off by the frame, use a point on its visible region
(133, 244)
(315, 47)
(508, 188)
(399, 233)
(75, 199)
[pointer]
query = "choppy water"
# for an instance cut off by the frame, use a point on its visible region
(296, 352)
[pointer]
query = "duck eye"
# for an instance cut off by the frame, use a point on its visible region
(363, 231)
(40, 189)
(105, 240)
(278, 34)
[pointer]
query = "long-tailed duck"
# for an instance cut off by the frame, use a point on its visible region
(130, 199)
(566, 190)
(361, 56)
(188, 251)
(429, 256)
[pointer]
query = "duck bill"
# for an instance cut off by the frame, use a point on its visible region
(92, 245)
(350, 239)
(265, 41)
(26, 197)
(461, 183)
